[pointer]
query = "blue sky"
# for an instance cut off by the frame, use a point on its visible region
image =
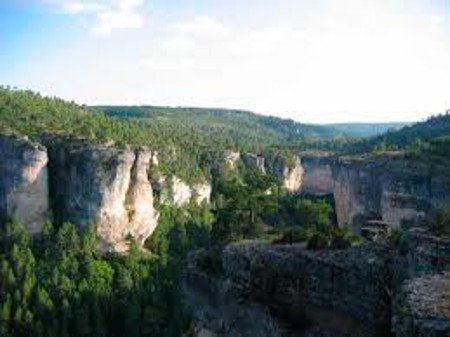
(313, 61)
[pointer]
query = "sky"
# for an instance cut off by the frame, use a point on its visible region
(315, 61)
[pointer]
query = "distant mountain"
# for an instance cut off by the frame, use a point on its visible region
(366, 129)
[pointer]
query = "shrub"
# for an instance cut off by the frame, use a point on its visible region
(342, 238)
(292, 235)
(440, 221)
(318, 241)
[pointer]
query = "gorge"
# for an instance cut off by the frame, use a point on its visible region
(201, 236)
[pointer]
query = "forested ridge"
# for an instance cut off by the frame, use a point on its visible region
(431, 136)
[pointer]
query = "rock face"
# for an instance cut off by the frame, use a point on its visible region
(390, 188)
(317, 175)
(423, 309)
(176, 192)
(370, 290)
(232, 158)
(305, 287)
(202, 193)
(217, 308)
(181, 192)
(142, 215)
(24, 182)
(254, 161)
(426, 253)
(87, 184)
(351, 281)
(105, 186)
(291, 177)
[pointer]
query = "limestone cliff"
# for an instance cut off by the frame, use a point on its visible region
(254, 161)
(291, 177)
(232, 158)
(174, 191)
(181, 192)
(423, 307)
(202, 193)
(392, 188)
(317, 174)
(142, 215)
(259, 289)
(23, 182)
(105, 186)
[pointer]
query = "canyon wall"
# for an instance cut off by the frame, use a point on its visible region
(76, 181)
(105, 186)
(175, 192)
(81, 183)
(217, 305)
(258, 289)
(422, 308)
(24, 182)
(369, 290)
(290, 176)
(390, 188)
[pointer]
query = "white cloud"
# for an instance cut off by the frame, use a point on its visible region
(104, 15)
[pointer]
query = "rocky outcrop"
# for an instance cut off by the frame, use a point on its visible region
(216, 305)
(174, 191)
(370, 290)
(254, 161)
(105, 186)
(391, 188)
(317, 174)
(24, 182)
(426, 253)
(142, 216)
(311, 288)
(353, 281)
(181, 192)
(202, 193)
(232, 158)
(423, 309)
(291, 176)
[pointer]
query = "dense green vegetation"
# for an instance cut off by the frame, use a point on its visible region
(59, 285)
(432, 133)
(242, 202)
(239, 127)
(27, 113)
(366, 129)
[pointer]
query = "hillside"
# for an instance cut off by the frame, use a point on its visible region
(366, 129)
(242, 127)
(429, 133)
